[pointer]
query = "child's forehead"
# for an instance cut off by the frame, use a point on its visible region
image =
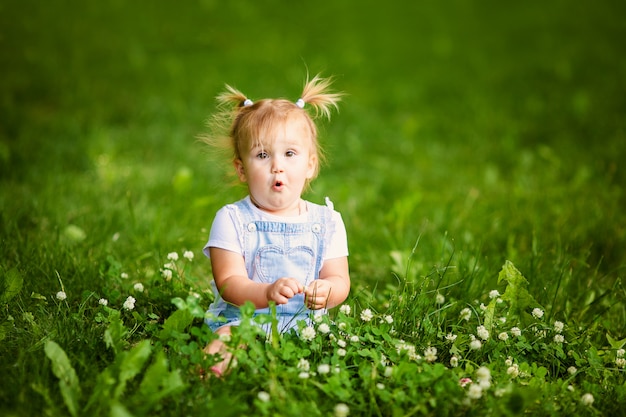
(292, 132)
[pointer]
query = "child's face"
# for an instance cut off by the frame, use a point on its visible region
(278, 168)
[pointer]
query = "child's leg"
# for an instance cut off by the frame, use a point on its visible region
(218, 347)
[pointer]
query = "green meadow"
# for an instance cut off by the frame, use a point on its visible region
(477, 160)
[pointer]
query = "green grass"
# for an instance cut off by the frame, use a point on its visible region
(485, 132)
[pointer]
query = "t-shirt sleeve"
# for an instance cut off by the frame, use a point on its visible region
(338, 245)
(223, 233)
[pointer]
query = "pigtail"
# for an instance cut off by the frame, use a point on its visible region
(233, 96)
(316, 93)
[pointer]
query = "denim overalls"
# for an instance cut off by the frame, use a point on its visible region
(272, 250)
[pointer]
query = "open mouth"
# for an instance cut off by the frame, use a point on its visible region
(278, 184)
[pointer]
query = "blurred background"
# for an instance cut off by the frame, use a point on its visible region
(497, 128)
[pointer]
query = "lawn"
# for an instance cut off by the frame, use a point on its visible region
(477, 161)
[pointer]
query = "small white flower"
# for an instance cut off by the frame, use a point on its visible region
(342, 326)
(513, 370)
(323, 328)
(558, 326)
(303, 365)
(124, 275)
(367, 315)
(172, 256)
(430, 354)
(380, 386)
(129, 304)
(440, 299)
(502, 319)
(138, 287)
(308, 333)
(465, 314)
(355, 339)
(388, 319)
(61, 295)
(303, 375)
(475, 344)
(483, 307)
(167, 274)
(620, 353)
(451, 337)
(572, 370)
(345, 309)
(515, 331)
(342, 410)
(388, 371)
(620, 362)
(537, 313)
(482, 332)
(225, 337)
(494, 294)
(587, 399)
(263, 396)
(475, 392)
(504, 336)
(559, 338)
(341, 343)
(188, 255)
(323, 368)
(170, 265)
(318, 318)
(341, 352)
(103, 302)
(454, 361)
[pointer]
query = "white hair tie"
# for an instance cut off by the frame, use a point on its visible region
(247, 102)
(300, 103)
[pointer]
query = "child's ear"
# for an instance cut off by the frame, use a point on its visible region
(241, 171)
(312, 166)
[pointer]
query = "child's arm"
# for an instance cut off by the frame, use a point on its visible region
(231, 278)
(332, 287)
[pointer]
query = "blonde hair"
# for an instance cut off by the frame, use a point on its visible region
(243, 122)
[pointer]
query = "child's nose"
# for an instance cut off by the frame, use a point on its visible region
(277, 165)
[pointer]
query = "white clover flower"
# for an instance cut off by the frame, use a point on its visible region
(494, 294)
(572, 370)
(451, 337)
(342, 326)
(380, 386)
(303, 375)
(465, 314)
(502, 319)
(483, 376)
(124, 275)
(559, 338)
(483, 307)
(355, 339)
(103, 302)
(263, 396)
(587, 399)
(323, 328)
(430, 354)
(508, 361)
(475, 344)
(513, 370)
(342, 410)
(172, 256)
(620, 353)
(188, 255)
(345, 309)
(61, 295)
(537, 313)
(323, 368)
(515, 331)
(225, 337)
(454, 361)
(383, 360)
(388, 371)
(308, 333)
(167, 274)
(138, 287)
(504, 336)
(482, 332)
(475, 391)
(303, 365)
(367, 315)
(341, 352)
(440, 299)
(129, 304)
(388, 319)
(318, 319)
(170, 265)
(620, 362)
(558, 326)
(341, 343)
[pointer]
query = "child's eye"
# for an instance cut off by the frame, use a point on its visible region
(290, 153)
(262, 155)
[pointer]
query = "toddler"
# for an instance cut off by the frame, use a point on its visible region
(273, 246)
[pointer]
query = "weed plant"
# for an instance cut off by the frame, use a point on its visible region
(477, 162)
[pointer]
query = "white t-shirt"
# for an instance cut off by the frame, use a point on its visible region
(225, 235)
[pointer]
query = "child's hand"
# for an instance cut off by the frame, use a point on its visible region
(283, 289)
(316, 295)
